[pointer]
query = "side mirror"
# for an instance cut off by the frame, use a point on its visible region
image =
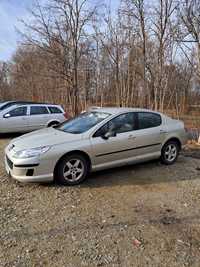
(107, 135)
(7, 115)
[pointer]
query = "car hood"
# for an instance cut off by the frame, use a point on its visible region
(44, 137)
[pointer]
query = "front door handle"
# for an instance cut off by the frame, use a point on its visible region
(132, 137)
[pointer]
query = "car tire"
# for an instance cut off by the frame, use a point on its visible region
(170, 152)
(71, 170)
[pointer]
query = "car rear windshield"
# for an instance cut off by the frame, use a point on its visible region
(83, 122)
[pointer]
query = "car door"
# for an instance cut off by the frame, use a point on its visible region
(150, 133)
(15, 120)
(118, 148)
(38, 117)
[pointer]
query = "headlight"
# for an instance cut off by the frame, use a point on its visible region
(30, 153)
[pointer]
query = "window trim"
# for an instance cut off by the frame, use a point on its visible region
(149, 112)
(48, 112)
(135, 121)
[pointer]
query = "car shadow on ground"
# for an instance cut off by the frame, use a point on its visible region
(10, 135)
(147, 173)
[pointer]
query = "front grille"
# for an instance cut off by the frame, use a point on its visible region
(9, 162)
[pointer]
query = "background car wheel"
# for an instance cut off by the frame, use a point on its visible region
(170, 152)
(53, 123)
(71, 170)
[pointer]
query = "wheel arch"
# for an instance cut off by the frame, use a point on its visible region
(79, 152)
(175, 139)
(52, 121)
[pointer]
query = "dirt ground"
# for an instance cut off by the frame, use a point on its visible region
(142, 215)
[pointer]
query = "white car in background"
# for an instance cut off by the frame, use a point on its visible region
(7, 104)
(30, 117)
(95, 140)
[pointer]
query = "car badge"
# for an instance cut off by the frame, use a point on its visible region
(11, 147)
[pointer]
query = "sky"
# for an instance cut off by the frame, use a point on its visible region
(11, 11)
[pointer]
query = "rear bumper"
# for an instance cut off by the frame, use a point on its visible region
(184, 139)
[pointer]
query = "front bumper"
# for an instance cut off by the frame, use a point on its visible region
(27, 172)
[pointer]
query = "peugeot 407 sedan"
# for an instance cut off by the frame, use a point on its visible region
(98, 139)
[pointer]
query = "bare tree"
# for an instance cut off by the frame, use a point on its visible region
(131, 58)
(189, 12)
(59, 29)
(4, 77)
(162, 26)
(136, 10)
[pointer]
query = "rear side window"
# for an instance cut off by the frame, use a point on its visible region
(54, 110)
(21, 111)
(148, 120)
(38, 110)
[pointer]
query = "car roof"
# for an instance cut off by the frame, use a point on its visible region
(18, 102)
(34, 104)
(16, 105)
(42, 104)
(115, 110)
(4, 102)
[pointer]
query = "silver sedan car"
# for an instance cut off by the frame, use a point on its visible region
(98, 139)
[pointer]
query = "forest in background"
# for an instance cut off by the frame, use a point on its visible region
(79, 53)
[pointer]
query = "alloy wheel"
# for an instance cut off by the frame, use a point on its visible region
(73, 170)
(171, 152)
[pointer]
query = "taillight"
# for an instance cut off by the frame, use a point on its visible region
(67, 116)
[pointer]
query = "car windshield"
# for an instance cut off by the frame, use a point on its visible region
(83, 122)
(6, 105)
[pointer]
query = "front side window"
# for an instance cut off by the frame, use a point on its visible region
(82, 123)
(148, 120)
(21, 111)
(38, 110)
(121, 124)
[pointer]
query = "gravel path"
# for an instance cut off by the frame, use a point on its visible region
(143, 215)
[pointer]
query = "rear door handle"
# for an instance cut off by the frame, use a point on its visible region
(163, 131)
